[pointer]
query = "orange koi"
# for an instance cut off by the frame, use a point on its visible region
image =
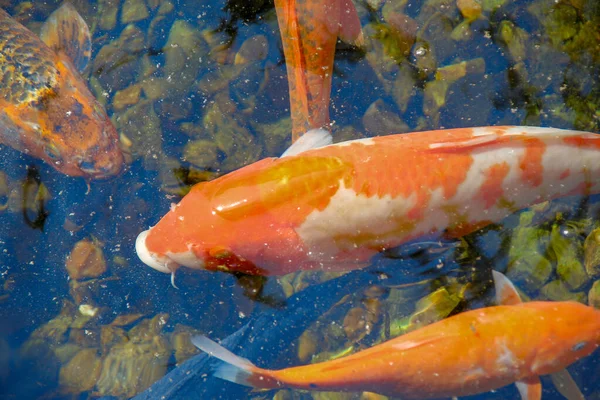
(309, 31)
(46, 109)
(469, 353)
(336, 206)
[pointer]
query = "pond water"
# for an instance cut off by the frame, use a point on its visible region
(198, 89)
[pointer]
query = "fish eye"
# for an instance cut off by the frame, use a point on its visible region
(52, 151)
(579, 346)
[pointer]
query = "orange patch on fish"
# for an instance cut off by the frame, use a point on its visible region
(565, 174)
(491, 188)
(531, 166)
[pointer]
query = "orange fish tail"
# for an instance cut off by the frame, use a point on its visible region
(235, 368)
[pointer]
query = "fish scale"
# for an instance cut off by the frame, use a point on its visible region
(25, 72)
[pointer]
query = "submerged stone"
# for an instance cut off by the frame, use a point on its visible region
(86, 260)
(591, 250)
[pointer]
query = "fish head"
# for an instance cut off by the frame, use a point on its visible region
(68, 128)
(574, 333)
(230, 224)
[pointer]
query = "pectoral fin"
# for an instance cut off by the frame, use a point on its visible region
(506, 293)
(312, 139)
(530, 388)
(564, 383)
(66, 32)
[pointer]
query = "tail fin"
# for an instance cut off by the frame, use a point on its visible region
(235, 368)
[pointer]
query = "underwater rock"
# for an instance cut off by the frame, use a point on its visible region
(132, 366)
(568, 252)
(133, 11)
(431, 308)
(594, 295)
(127, 97)
(183, 54)
(86, 260)
(470, 9)
(111, 336)
(182, 343)
(234, 140)
(515, 39)
(276, 134)
(355, 324)
(80, 373)
(141, 124)
(403, 87)
(117, 64)
(253, 49)
(384, 66)
(591, 250)
(526, 264)
(308, 345)
(559, 291)
(108, 10)
(380, 119)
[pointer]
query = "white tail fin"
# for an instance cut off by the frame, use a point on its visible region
(235, 369)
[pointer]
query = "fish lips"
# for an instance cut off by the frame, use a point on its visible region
(169, 262)
(158, 263)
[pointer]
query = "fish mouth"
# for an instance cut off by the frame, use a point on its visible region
(162, 264)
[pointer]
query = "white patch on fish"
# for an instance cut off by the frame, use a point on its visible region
(346, 212)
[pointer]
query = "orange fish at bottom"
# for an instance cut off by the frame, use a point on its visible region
(469, 353)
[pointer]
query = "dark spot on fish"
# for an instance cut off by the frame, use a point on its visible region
(77, 109)
(579, 346)
(313, 385)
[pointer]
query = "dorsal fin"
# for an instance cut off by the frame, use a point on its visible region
(66, 32)
(506, 293)
(312, 139)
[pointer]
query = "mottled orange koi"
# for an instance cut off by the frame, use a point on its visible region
(309, 31)
(336, 206)
(469, 353)
(46, 109)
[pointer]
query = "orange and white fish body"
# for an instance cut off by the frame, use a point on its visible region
(309, 32)
(334, 207)
(46, 109)
(469, 353)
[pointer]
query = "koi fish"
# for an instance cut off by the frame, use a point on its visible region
(469, 353)
(334, 207)
(46, 109)
(309, 31)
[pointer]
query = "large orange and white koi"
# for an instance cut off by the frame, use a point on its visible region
(469, 353)
(334, 207)
(309, 32)
(46, 109)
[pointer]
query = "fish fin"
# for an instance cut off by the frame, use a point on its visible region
(530, 388)
(474, 142)
(423, 341)
(234, 369)
(350, 29)
(564, 383)
(312, 139)
(66, 32)
(506, 293)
